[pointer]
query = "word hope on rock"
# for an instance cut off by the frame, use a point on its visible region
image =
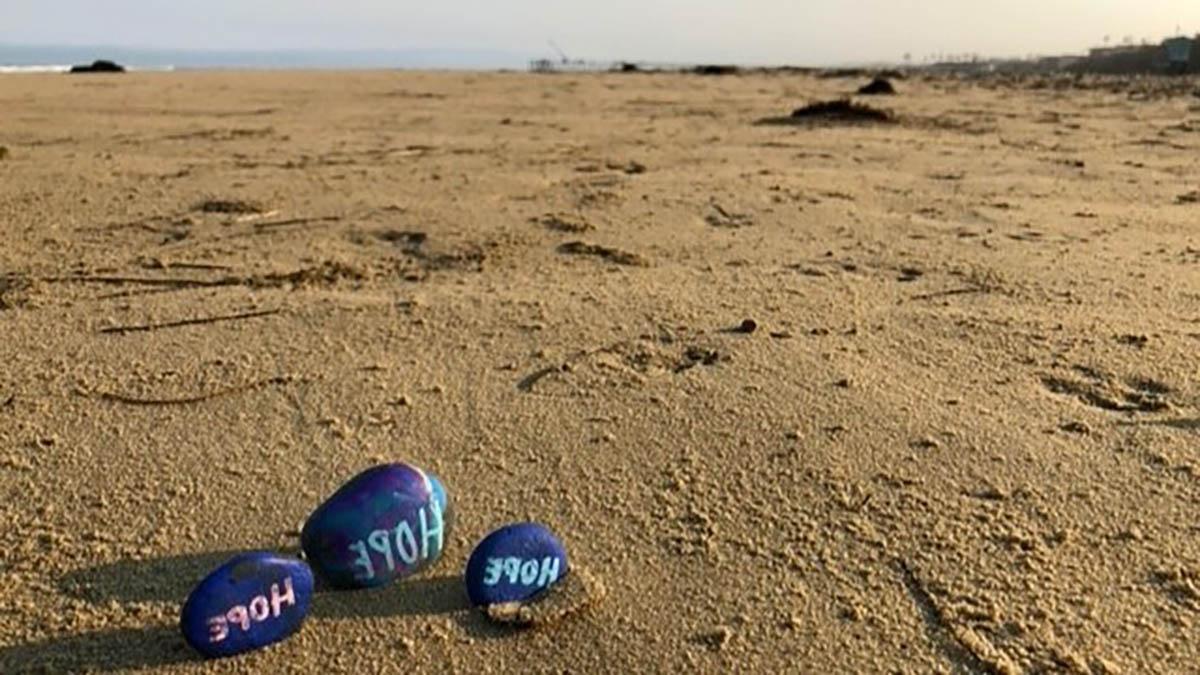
(257, 610)
(524, 572)
(400, 544)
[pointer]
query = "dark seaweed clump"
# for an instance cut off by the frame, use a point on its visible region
(840, 111)
(877, 86)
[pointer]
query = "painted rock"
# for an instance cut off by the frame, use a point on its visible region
(253, 600)
(446, 509)
(514, 563)
(384, 524)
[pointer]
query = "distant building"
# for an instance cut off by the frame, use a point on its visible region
(567, 66)
(1174, 55)
(1179, 53)
(1056, 63)
(1109, 52)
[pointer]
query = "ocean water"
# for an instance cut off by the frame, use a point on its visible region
(34, 59)
(45, 68)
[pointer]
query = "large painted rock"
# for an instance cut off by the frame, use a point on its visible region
(445, 507)
(253, 600)
(514, 563)
(386, 523)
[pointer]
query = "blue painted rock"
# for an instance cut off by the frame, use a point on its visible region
(384, 524)
(514, 563)
(445, 507)
(254, 600)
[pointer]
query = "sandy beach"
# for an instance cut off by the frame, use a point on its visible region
(915, 396)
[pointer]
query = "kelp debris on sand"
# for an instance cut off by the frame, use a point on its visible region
(838, 111)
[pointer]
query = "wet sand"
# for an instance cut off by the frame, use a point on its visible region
(960, 438)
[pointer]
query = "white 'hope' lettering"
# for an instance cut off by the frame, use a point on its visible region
(523, 572)
(529, 572)
(491, 576)
(259, 609)
(399, 545)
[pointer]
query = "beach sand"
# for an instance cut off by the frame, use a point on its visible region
(961, 438)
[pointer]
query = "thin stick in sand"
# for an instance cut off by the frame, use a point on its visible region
(251, 386)
(188, 322)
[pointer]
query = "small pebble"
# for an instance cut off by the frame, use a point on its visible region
(514, 563)
(1076, 427)
(715, 640)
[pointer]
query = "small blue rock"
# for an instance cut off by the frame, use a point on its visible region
(384, 524)
(254, 600)
(514, 563)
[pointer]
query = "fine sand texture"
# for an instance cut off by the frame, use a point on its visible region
(913, 392)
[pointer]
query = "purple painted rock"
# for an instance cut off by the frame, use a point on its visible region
(386, 523)
(447, 510)
(253, 600)
(514, 563)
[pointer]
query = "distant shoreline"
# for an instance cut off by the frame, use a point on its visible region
(24, 58)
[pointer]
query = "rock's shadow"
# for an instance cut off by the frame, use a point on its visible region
(103, 651)
(167, 579)
(170, 579)
(422, 596)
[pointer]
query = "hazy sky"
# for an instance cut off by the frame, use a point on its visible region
(746, 31)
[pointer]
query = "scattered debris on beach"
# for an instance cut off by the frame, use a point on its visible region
(229, 206)
(610, 254)
(719, 216)
(841, 111)
(14, 291)
(563, 223)
(747, 326)
(631, 167)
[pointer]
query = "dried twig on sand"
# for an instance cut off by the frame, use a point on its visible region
(328, 272)
(258, 227)
(229, 206)
(610, 254)
(527, 383)
(251, 386)
(188, 322)
(145, 281)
